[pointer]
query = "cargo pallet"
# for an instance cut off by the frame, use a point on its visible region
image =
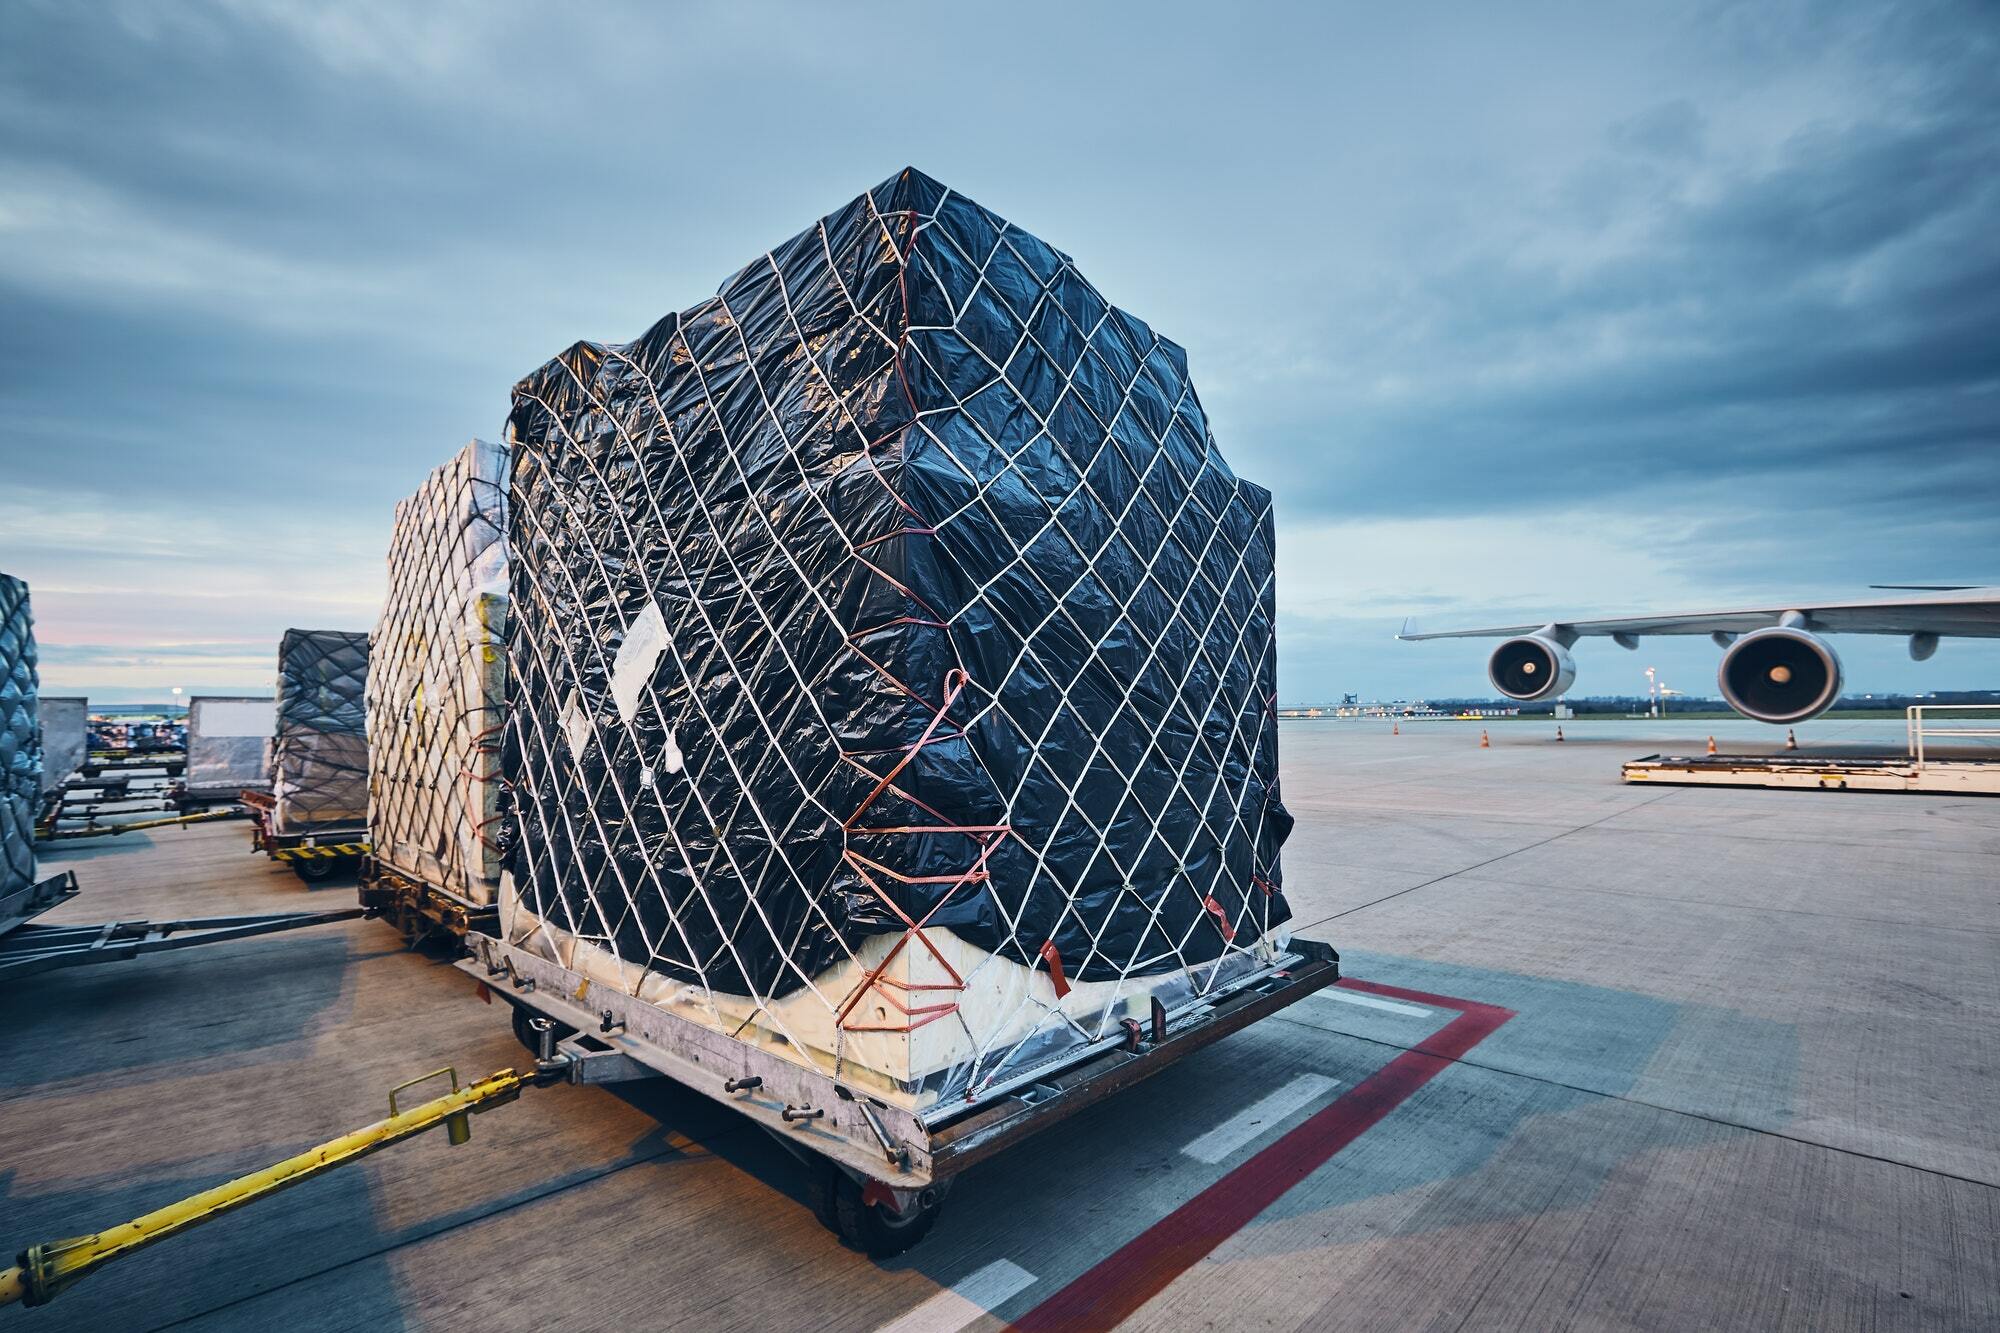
(312, 856)
(876, 1173)
(421, 910)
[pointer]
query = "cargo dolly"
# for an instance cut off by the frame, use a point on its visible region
(312, 856)
(418, 909)
(27, 948)
(876, 1175)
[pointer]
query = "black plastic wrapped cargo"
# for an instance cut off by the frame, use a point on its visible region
(20, 738)
(899, 585)
(319, 754)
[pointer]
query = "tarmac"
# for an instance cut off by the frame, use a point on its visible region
(1607, 1057)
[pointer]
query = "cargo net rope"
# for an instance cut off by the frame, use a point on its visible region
(20, 737)
(319, 755)
(437, 680)
(894, 599)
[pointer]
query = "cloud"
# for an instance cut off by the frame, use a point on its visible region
(1531, 307)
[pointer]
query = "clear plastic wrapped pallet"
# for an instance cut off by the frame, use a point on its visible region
(437, 679)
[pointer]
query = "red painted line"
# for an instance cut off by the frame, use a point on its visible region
(1114, 1290)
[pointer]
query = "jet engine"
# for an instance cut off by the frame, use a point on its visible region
(1782, 675)
(1531, 667)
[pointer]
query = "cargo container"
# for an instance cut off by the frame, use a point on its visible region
(437, 675)
(228, 747)
(65, 738)
(891, 734)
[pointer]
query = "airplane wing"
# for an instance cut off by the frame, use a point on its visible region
(1957, 612)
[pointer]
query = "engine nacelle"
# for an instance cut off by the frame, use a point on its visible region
(1531, 667)
(1782, 675)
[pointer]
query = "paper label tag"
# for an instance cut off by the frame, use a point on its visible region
(673, 758)
(575, 726)
(637, 656)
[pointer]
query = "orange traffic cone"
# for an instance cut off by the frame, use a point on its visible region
(1559, 733)
(1711, 745)
(1791, 739)
(1484, 744)
(1396, 729)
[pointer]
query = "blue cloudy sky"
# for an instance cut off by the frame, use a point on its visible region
(1519, 308)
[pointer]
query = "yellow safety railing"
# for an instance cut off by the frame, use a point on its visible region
(1919, 731)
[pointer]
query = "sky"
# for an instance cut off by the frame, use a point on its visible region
(1523, 311)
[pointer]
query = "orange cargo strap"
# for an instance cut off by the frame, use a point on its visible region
(1221, 919)
(1054, 960)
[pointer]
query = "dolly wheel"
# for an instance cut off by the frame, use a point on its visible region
(532, 1039)
(875, 1229)
(312, 869)
(822, 1177)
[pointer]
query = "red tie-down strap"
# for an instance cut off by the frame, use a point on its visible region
(1054, 960)
(984, 836)
(1221, 919)
(1270, 889)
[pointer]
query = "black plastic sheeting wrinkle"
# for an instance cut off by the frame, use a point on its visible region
(901, 583)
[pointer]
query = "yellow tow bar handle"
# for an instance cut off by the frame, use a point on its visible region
(45, 1271)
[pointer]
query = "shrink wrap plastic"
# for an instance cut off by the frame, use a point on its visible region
(437, 675)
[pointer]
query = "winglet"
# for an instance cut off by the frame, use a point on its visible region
(1409, 628)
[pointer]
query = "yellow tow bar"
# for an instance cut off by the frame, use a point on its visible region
(45, 1271)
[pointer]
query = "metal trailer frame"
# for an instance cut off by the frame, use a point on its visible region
(312, 856)
(877, 1173)
(420, 909)
(27, 949)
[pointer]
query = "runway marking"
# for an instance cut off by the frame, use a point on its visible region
(1113, 1291)
(967, 1299)
(1254, 1119)
(1370, 1002)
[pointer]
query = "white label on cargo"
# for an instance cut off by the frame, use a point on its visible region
(637, 656)
(674, 758)
(575, 726)
(237, 717)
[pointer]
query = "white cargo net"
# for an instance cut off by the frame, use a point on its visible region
(920, 1007)
(437, 674)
